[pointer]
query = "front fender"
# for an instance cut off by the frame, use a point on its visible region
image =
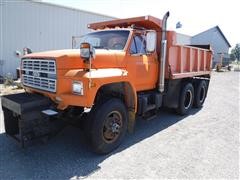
(103, 77)
(96, 79)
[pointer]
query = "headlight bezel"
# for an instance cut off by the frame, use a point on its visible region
(78, 87)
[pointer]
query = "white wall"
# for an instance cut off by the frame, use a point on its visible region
(40, 27)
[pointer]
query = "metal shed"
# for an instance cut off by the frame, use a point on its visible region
(38, 26)
(213, 36)
(218, 41)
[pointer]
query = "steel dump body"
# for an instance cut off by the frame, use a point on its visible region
(181, 61)
(187, 61)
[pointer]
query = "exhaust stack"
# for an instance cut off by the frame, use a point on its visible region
(163, 53)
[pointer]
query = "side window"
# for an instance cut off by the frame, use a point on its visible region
(138, 45)
(133, 48)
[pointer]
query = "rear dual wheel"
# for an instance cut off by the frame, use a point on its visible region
(200, 94)
(191, 97)
(186, 99)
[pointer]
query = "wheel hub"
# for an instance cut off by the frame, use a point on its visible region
(115, 128)
(112, 127)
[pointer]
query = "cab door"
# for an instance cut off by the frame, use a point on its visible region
(142, 66)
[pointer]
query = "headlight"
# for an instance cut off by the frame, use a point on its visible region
(77, 87)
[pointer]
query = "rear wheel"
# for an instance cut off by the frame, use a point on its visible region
(185, 99)
(108, 126)
(200, 94)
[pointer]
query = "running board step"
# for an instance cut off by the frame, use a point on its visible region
(149, 102)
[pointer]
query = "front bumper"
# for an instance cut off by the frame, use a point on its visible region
(23, 116)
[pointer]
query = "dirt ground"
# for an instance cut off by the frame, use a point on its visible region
(202, 145)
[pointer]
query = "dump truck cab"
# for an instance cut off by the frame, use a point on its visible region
(120, 56)
(124, 69)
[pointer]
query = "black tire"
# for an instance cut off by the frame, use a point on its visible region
(185, 99)
(200, 94)
(107, 126)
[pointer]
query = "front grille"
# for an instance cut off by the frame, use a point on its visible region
(39, 65)
(39, 74)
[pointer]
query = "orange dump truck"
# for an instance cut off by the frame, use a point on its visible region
(124, 69)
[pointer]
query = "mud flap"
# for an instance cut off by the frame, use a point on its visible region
(25, 117)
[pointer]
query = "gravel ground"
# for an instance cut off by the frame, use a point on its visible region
(204, 144)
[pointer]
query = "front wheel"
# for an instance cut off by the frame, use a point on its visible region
(108, 126)
(185, 99)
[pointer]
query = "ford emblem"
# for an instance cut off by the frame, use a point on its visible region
(36, 74)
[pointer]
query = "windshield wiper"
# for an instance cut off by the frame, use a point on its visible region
(101, 47)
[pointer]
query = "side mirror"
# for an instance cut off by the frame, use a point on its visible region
(26, 51)
(151, 39)
(18, 54)
(87, 51)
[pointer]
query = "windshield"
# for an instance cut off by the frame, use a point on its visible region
(115, 40)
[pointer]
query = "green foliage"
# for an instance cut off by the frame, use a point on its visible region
(235, 53)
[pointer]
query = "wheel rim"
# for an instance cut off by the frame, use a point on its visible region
(188, 99)
(112, 126)
(202, 94)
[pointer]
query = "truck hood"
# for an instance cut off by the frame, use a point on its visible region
(70, 58)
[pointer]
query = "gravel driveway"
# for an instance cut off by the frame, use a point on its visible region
(204, 144)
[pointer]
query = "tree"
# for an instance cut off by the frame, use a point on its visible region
(235, 53)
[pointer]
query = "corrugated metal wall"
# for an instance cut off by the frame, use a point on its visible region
(40, 27)
(1, 37)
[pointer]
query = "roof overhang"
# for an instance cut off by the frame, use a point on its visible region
(147, 22)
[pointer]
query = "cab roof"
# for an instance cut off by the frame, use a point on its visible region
(147, 22)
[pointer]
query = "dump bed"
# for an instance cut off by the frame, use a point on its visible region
(187, 61)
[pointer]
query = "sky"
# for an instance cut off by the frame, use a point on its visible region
(195, 16)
